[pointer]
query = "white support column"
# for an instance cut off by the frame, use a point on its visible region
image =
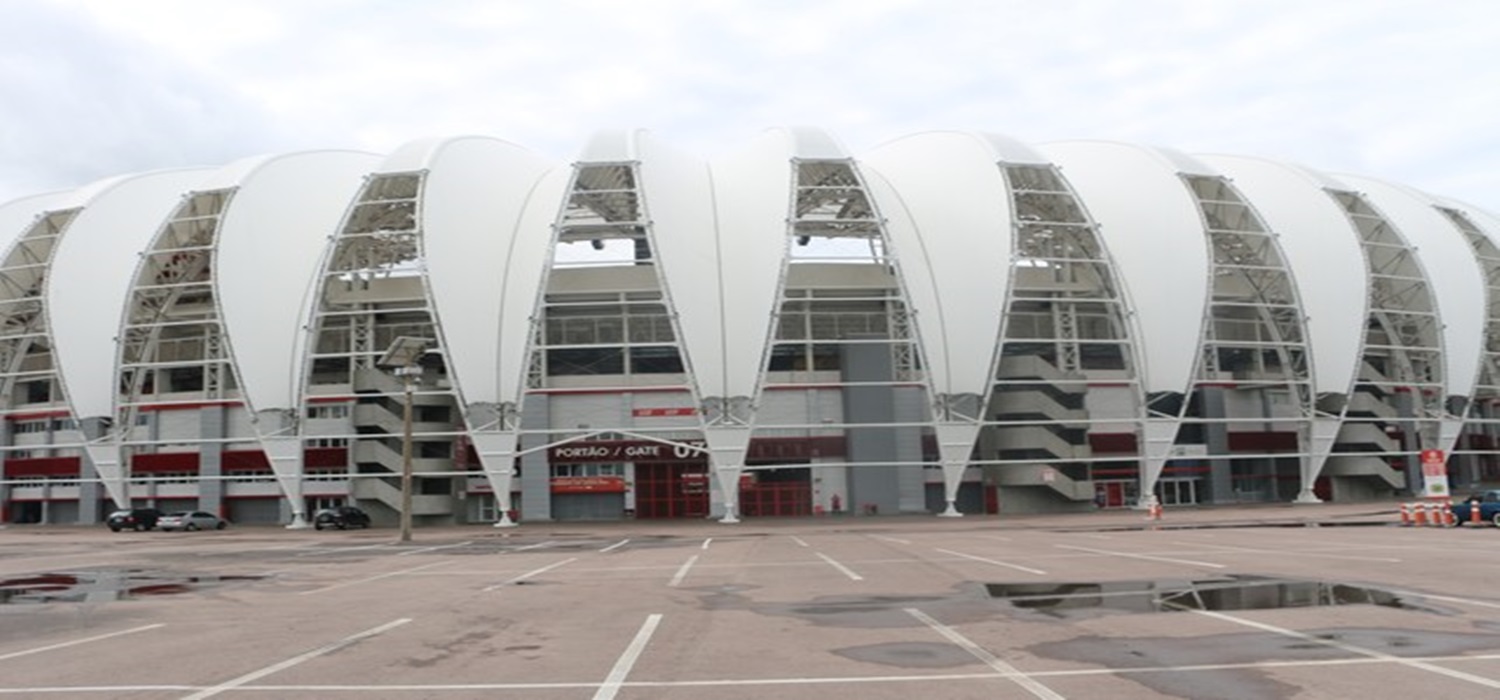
(285, 454)
(1160, 433)
(955, 445)
(726, 449)
(497, 457)
(1324, 432)
(108, 463)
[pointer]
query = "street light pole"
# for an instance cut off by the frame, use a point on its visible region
(408, 376)
(403, 360)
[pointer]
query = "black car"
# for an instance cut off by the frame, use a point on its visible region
(342, 517)
(133, 519)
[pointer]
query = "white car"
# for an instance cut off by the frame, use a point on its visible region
(190, 520)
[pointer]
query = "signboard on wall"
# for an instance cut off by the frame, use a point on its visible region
(588, 484)
(1434, 474)
(624, 451)
(663, 412)
(616, 451)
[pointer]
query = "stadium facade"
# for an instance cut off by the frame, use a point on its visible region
(949, 323)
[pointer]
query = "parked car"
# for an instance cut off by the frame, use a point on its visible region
(341, 518)
(1489, 507)
(133, 519)
(190, 520)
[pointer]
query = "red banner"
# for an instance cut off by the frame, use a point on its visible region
(663, 412)
(588, 484)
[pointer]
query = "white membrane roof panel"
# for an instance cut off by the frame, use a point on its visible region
(271, 238)
(1154, 232)
(949, 218)
(526, 266)
(611, 146)
(752, 200)
(1452, 271)
(678, 200)
(475, 191)
(1487, 221)
(17, 215)
(92, 271)
(1323, 251)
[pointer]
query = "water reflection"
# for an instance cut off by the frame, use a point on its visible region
(103, 585)
(1168, 595)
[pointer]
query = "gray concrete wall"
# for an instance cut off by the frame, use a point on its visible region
(1038, 499)
(211, 460)
(536, 477)
(877, 487)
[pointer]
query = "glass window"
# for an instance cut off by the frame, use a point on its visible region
(585, 361)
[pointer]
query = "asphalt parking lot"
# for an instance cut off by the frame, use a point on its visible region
(1276, 602)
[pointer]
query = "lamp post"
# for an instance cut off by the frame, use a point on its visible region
(401, 358)
(409, 375)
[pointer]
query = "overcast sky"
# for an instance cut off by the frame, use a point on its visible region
(1402, 90)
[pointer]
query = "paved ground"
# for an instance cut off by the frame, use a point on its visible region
(886, 607)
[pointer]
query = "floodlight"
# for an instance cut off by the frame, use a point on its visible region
(404, 351)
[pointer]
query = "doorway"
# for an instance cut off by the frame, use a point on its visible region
(784, 492)
(671, 490)
(1178, 492)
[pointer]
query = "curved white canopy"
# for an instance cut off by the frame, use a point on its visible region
(521, 281)
(1323, 251)
(475, 191)
(1160, 250)
(271, 236)
(752, 200)
(17, 215)
(949, 217)
(1487, 221)
(89, 285)
(1449, 263)
(677, 199)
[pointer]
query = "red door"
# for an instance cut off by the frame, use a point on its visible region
(671, 490)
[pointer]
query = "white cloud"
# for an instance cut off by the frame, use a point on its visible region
(1392, 89)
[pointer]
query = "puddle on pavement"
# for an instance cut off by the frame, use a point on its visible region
(102, 586)
(1225, 593)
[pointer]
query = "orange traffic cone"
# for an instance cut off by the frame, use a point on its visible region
(1449, 519)
(1420, 516)
(1406, 514)
(1474, 513)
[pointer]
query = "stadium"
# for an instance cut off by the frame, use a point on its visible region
(949, 323)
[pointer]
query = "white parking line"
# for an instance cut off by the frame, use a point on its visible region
(1289, 553)
(615, 546)
(331, 550)
(996, 562)
(273, 668)
(891, 539)
(799, 541)
(979, 652)
(844, 569)
(1335, 644)
(529, 574)
(682, 572)
(616, 677)
(1447, 599)
(433, 549)
(538, 545)
(1149, 557)
(706, 541)
(76, 642)
(387, 574)
(790, 681)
